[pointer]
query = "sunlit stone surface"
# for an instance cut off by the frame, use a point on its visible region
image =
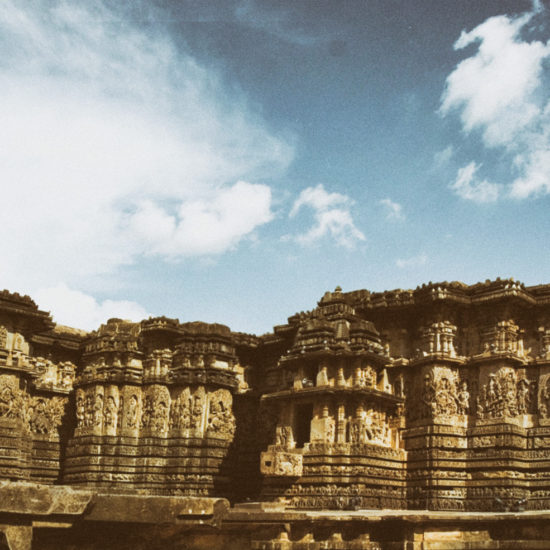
(403, 419)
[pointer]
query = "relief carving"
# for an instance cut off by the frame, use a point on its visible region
(220, 416)
(544, 397)
(370, 426)
(442, 394)
(147, 412)
(160, 416)
(80, 408)
(8, 403)
(132, 412)
(360, 434)
(97, 410)
(369, 377)
(45, 414)
(197, 409)
(3, 337)
(111, 412)
(281, 464)
(428, 405)
(446, 400)
(180, 411)
(544, 343)
(156, 409)
(120, 411)
(504, 396)
(284, 437)
(463, 399)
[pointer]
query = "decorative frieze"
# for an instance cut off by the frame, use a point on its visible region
(437, 397)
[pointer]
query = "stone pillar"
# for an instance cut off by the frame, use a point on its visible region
(341, 423)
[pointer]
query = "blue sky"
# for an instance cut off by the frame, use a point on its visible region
(230, 161)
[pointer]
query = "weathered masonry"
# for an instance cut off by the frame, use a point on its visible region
(401, 419)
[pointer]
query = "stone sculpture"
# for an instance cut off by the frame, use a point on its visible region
(400, 399)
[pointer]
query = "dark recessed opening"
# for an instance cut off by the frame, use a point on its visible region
(304, 414)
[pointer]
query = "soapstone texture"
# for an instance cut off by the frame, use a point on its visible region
(435, 399)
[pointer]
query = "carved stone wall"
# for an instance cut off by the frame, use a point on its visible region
(154, 408)
(34, 392)
(436, 398)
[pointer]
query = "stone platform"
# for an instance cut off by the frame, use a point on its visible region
(42, 517)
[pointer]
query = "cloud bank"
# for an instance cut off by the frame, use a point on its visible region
(502, 92)
(80, 310)
(116, 144)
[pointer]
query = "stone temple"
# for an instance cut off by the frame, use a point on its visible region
(406, 419)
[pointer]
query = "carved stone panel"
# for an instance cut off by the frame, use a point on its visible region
(281, 464)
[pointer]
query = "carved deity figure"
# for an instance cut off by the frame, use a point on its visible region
(132, 413)
(180, 413)
(18, 343)
(159, 417)
(120, 411)
(493, 389)
(45, 415)
(523, 394)
(463, 399)
(428, 396)
(380, 427)
(39, 422)
(7, 403)
(331, 432)
(544, 403)
(110, 411)
(98, 410)
(510, 396)
(445, 400)
(440, 395)
(369, 377)
(368, 427)
(196, 412)
(220, 417)
(355, 431)
(147, 413)
(504, 396)
(215, 420)
(284, 437)
(88, 412)
(80, 408)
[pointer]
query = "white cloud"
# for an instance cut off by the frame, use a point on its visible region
(413, 261)
(468, 187)
(79, 310)
(502, 91)
(203, 227)
(318, 199)
(332, 217)
(394, 210)
(494, 88)
(116, 144)
(443, 157)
